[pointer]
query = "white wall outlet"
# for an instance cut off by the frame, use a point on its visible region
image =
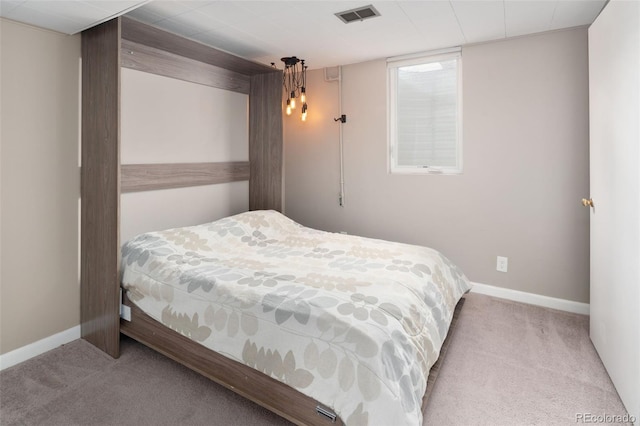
(502, 264)
(125, 312)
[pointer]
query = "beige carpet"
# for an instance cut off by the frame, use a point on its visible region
(508, 364)
(516, 364)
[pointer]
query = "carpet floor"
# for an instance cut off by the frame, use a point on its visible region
(508, 364)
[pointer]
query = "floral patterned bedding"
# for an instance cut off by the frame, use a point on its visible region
(352, 322)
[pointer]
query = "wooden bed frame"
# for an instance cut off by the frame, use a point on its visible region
(123, 42)
(246, 381)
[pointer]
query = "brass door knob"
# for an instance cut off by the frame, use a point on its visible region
(587, 202)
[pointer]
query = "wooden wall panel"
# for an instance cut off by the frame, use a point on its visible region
(154, 37)
(148, 59)
(265, 141)
(147, 177)
(100, 192)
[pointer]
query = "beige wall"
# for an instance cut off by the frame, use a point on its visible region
(40, 184)
(525, 137)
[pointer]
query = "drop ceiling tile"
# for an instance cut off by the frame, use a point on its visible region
(321, 15)
(399, 30)
(389, 10)
(392, 16)
(229, 12)
(435, 21)
(268, 31)
(312, 52)
(66, 16)
(266, 9)
(338, 28)
(74, 10)
(528, 17)
(330, 8)
(401, 36)
(24, 13)
(575, 13)
(6, 6)
(480, 20)
(290, 20)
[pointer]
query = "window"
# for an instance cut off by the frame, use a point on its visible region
(425, 114)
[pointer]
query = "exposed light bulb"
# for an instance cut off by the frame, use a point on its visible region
(294, 85)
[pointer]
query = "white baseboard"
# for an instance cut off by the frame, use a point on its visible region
(532, 299)
(36, 348)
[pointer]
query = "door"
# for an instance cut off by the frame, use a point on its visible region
(614, 110)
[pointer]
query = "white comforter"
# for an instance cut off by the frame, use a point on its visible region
(352, 322)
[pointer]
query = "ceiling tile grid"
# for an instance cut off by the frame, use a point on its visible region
(65, 16)
(266, 30)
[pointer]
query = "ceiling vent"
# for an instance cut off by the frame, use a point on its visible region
(358, 14)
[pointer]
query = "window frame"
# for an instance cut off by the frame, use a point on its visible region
(392, 70)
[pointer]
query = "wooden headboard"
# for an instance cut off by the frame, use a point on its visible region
(123, 42)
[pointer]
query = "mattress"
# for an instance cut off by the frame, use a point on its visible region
(353, 322)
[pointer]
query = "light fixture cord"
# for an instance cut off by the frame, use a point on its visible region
(341, 141)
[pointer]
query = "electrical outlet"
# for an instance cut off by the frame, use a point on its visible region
(125, 312)
(502, 264)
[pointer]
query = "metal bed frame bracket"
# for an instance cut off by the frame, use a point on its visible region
(325, 412)
(125, 311)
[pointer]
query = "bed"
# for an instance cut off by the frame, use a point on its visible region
(352, 325)
(242, 360)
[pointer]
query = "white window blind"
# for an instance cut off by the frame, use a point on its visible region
(425, 114)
